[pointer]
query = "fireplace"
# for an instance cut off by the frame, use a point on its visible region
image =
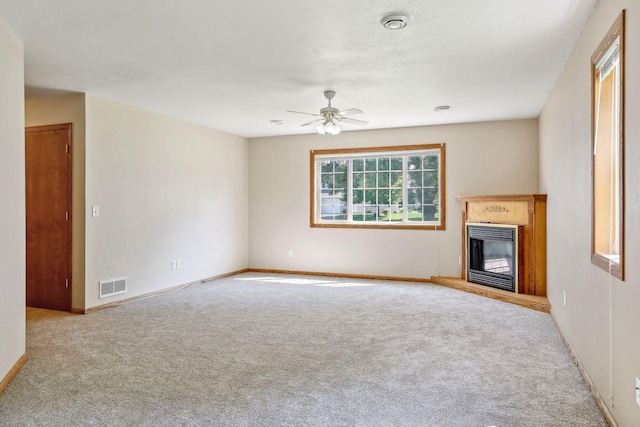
(494, 256)
(529, 213)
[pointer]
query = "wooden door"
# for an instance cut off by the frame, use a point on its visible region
(48, 206)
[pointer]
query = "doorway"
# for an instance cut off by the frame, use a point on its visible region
(48, 216)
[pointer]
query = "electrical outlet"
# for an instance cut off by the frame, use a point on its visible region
(178, 263)
(564, 298)
(174, 264)
(459, 260)
(290, 253)
(638, 391)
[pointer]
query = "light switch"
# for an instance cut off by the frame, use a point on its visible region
(95, 211)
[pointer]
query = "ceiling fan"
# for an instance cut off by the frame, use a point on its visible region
(330, 115)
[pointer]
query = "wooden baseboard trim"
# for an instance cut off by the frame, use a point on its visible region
(89, 310)
(222, 276)
(352, 276)
(606, 412)
(530, 301)
(12, 372)
(156, 293)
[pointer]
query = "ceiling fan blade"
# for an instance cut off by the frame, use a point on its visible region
(300, 112)
(312, 121)
(353, 121)
(350, 112)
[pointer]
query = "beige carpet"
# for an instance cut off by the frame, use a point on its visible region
(275, 350)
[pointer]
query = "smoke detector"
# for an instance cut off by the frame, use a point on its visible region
(394, 22)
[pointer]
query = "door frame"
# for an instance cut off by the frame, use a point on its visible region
(68, 128)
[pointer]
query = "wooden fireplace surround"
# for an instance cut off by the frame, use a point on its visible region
(527, 210)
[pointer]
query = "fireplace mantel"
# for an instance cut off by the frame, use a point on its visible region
(527, 210)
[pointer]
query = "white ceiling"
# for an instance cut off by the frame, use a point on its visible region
(237, 65)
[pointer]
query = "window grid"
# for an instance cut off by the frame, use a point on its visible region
(377, 189)
(333, 185)
(399, 189)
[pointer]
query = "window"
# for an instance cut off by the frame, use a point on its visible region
(608, 153)
(383, 187)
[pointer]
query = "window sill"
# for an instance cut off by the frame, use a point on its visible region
(609, 263)
(382, 226)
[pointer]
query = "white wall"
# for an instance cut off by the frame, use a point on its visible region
(167, 189)
(482, 158)
(12, 210)
(602, 314)
(68, 109)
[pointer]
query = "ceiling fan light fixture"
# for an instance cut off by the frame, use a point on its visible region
(394, 22)
(331, 128)
(328, 127)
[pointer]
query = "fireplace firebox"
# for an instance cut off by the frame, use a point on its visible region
(494, 257)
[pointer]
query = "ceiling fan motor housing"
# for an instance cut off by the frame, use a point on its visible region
(328, 112)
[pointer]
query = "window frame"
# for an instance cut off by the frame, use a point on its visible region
(403, 150)
(606, 260)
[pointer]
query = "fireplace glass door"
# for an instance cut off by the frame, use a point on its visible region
(492, 255)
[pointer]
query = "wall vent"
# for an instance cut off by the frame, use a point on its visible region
(111, 287)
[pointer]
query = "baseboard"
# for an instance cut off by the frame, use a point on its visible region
(156, 293)
(222, 276)
(529, 301)
(606, 412)
(352, 276)
(12, 372)
(76, 310)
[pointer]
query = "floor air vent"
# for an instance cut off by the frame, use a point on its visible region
(113, 287)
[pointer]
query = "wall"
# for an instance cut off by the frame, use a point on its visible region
(12, 211)
(166, 189)
(601, 317)
(482, 158)
(68, 109)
